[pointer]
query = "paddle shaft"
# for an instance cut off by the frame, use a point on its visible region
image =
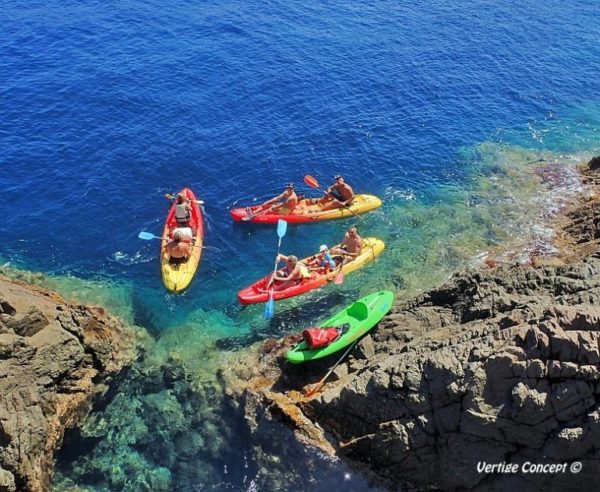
(275, 268)
(270, 307)
(260, 212)
(169, 239)
(322, 382)
(170, 196)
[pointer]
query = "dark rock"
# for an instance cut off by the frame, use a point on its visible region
(33, 322)
(7, 308)
(594, 163)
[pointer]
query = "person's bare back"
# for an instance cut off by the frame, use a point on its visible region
(178, 248)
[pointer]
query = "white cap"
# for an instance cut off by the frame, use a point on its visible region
(323, 247)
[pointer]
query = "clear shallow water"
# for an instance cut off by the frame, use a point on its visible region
(436, 109)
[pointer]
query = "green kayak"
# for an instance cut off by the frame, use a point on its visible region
(363, 315)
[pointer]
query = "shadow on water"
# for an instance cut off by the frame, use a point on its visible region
(300, 316)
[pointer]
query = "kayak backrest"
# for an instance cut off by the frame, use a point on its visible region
(359, 310)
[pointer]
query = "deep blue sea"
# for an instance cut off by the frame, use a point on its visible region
(444, 109)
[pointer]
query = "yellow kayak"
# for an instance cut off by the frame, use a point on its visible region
(257, 292)
(307, 210)
(178, 274)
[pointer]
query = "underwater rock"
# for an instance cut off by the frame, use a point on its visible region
(496, 365)
(54, 358)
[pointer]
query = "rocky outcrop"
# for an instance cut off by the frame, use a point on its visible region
(496, 366)
(54, 358)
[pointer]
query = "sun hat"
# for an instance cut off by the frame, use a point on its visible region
(323, 247)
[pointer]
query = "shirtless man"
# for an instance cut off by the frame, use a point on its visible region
(178, 249)
(351, 246)
(337, 195)
(284, 203)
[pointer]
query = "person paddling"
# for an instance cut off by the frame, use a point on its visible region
(338, 195)
(351, 245)
(285, 203)
(293, 273)
(179, 249)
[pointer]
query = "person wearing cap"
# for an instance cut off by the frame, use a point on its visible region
(285, 203)
(294, 272)
(323, 259)
(179, 249)
(338, 195)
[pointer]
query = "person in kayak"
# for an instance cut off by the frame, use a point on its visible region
(183, 210)
(351, 245)
(323, 259)
(285, 203)
(179, 249)
(293, 273)
(337, 195)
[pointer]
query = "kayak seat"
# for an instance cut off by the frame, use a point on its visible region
(359, 310)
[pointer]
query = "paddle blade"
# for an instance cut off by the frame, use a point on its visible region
(169, 196)
(147, 236)
(339, 278)
(310, 181)
(281, 228)
(270, 307)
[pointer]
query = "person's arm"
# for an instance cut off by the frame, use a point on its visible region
(296, 273)
(359, 246)
(347, 202)
(273, 200)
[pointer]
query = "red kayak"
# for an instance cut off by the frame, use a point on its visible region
(255, 293)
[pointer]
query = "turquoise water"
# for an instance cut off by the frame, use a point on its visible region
(443, 110)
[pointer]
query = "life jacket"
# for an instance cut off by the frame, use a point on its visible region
(320, 337)
(304, 270)
(182, 214)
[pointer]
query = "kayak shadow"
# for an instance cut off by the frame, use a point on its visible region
(292, 320)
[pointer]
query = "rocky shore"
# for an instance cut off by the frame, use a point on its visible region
(55, 358)
(498, 365)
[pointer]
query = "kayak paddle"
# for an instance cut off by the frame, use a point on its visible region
(281, 230)
(313, 183)
(170, 196)
(320, 384)
(148, 236)
(260, 212)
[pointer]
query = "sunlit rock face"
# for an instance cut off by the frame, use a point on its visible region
(55, 357)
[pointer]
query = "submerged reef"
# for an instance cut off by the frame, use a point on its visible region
(497, 365)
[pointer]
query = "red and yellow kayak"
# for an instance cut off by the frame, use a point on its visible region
(177, 277)
(307, 210)
(255, 293)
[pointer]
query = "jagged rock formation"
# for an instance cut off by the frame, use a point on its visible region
(54, 358)
(497, 365)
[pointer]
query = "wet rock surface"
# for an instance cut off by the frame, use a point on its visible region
(55, 357)
(498, 365)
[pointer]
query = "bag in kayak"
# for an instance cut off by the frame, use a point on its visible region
(321, 337)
